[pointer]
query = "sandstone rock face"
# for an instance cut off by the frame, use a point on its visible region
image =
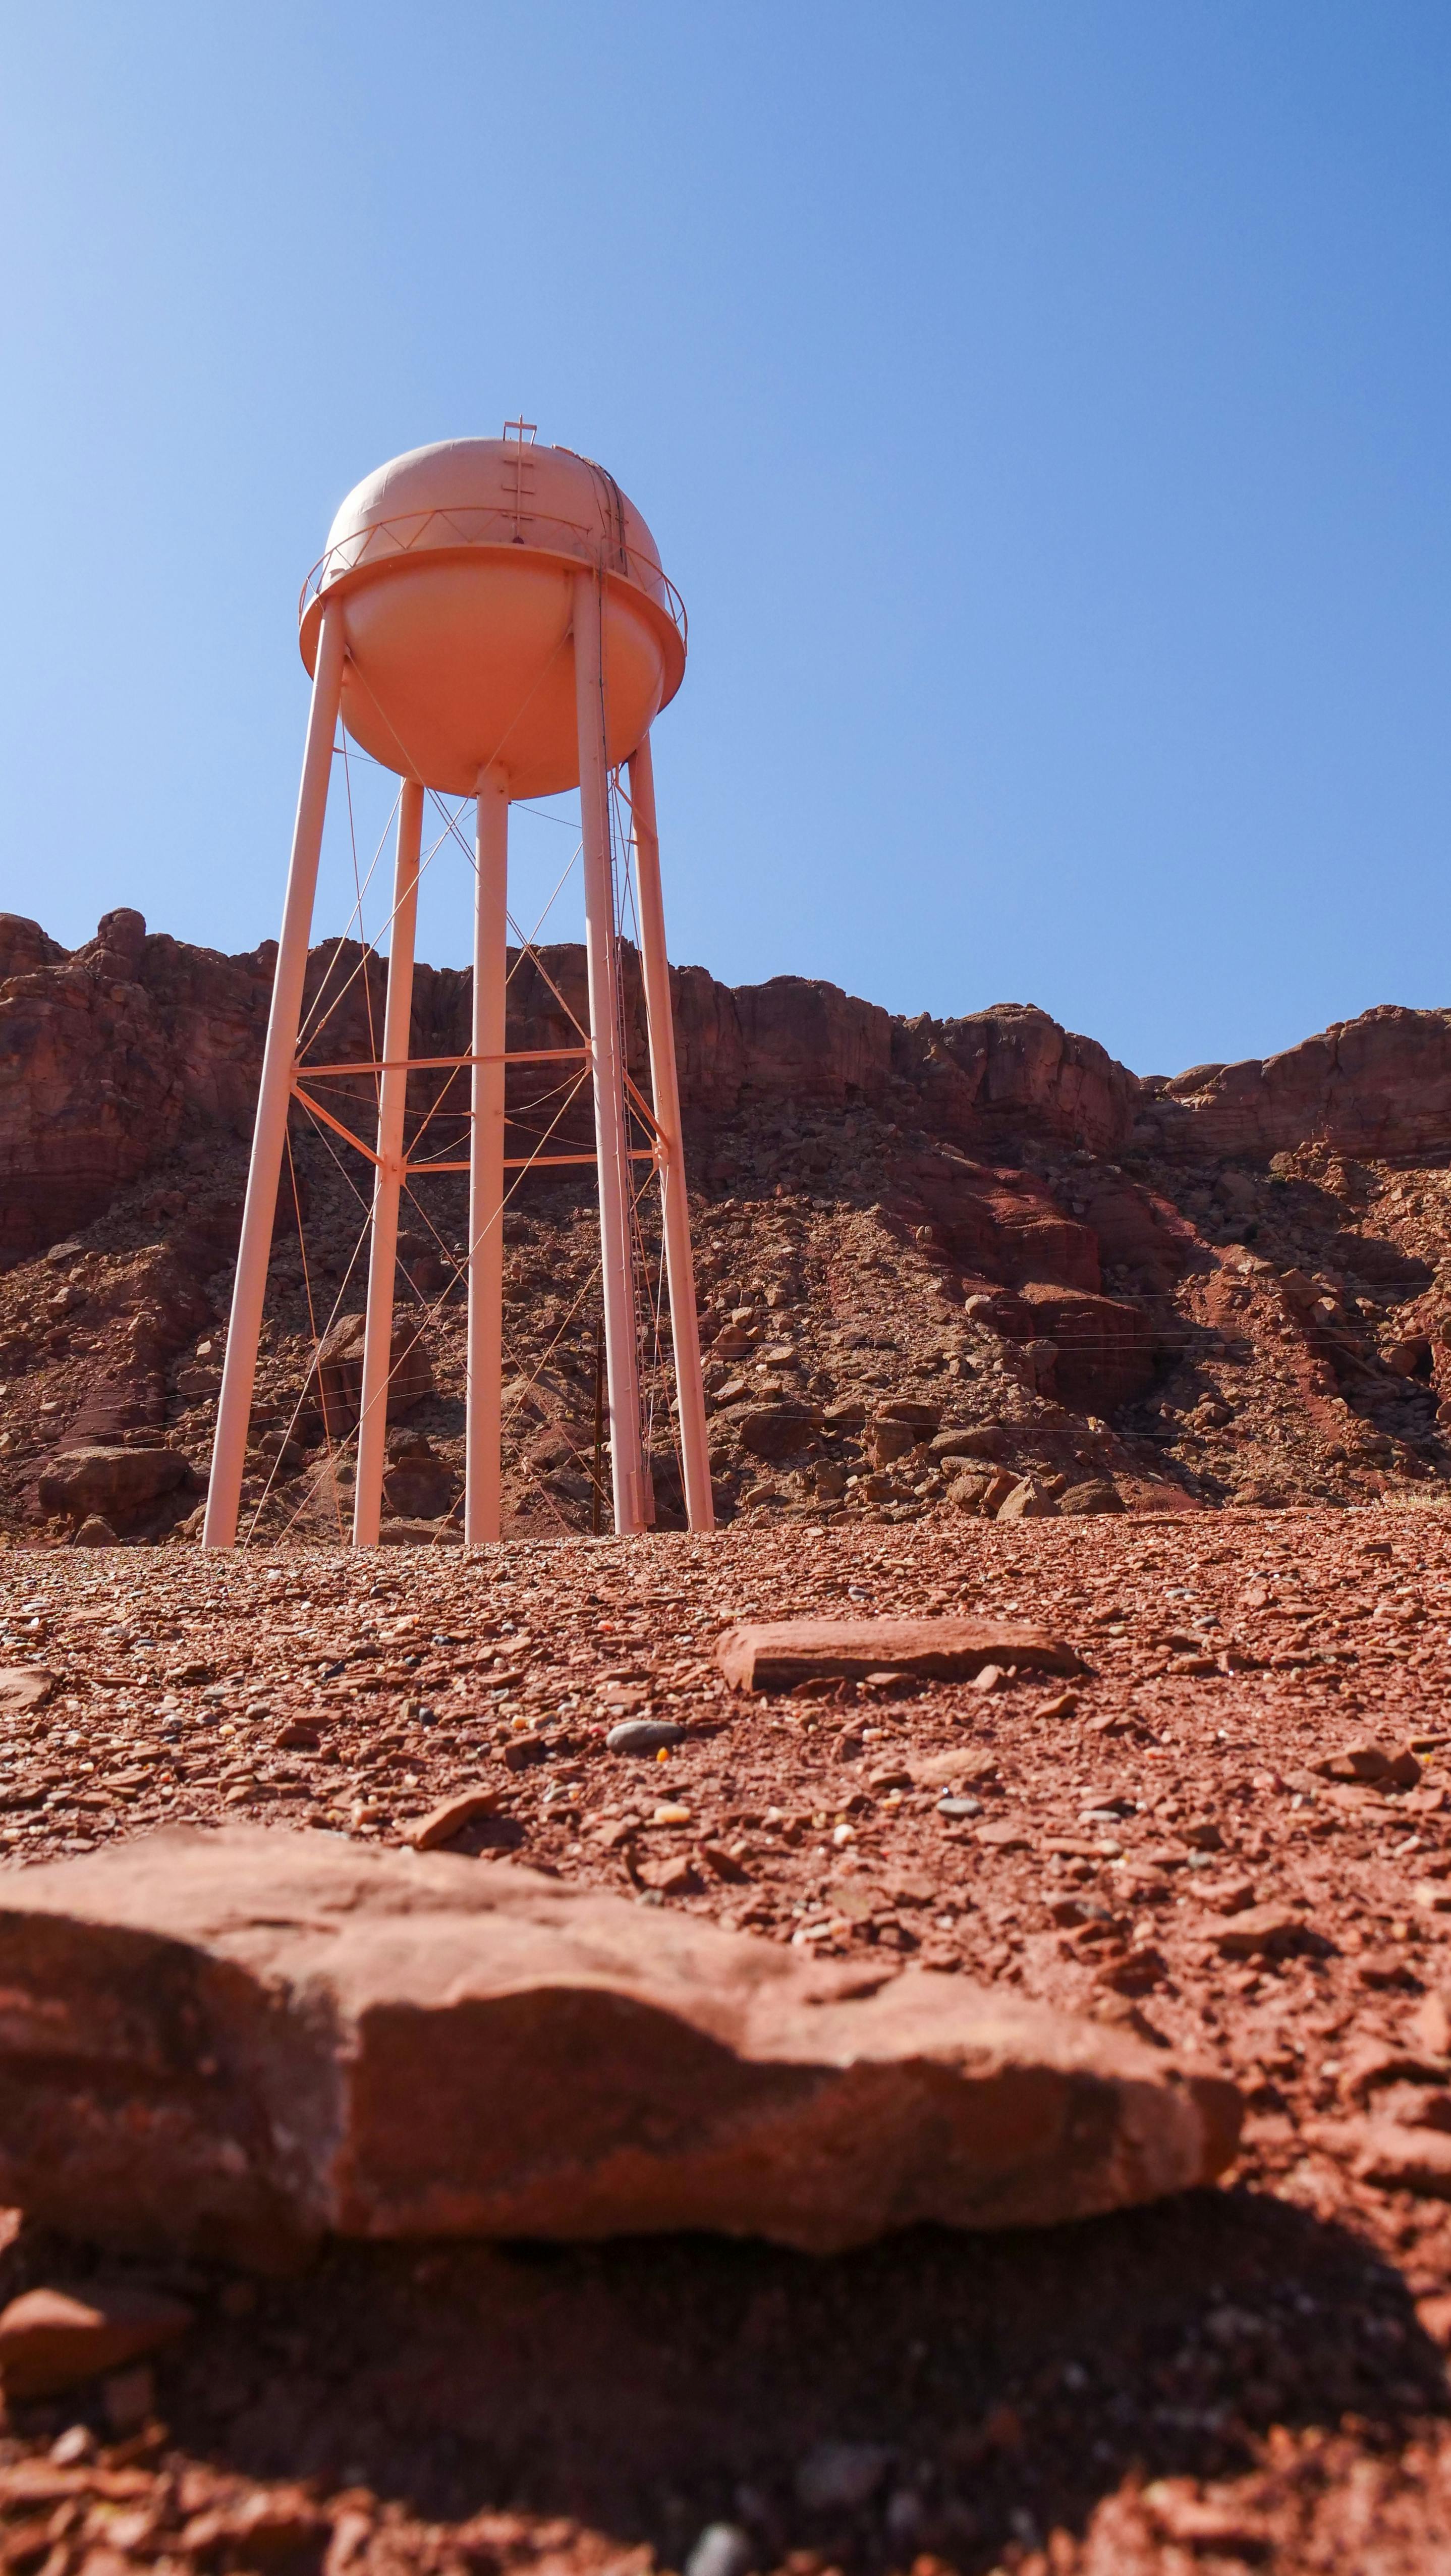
(804, 1040)
(114, 1054)
(133, 1045)
(237, 2042)
(1377, 1085)
(996, 1225)
(107, 1058)
(1013, 1067)
(990, 1204)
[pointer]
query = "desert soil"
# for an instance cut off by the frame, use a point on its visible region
(1250, 2377)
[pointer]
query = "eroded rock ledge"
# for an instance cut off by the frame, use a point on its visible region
(113, 1054)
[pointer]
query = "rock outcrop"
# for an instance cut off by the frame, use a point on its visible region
(1377, 1085)
(1010, 1068)
(238, 2042)
(114, 1054)
(882, 1209)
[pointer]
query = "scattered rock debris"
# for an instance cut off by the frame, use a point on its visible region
(1166, 1854)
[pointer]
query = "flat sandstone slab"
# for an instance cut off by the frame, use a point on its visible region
(776, 1657)
(237, 2042)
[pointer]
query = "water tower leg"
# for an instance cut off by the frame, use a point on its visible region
(388, 1178)
(486, 1163)
(234, 1410)
(621, 1362)
(674, 1202)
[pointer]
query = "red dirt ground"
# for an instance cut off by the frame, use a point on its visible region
(1250, 2377)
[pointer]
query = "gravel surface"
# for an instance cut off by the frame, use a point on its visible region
(1252, 2376)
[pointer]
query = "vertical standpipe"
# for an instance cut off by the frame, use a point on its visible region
(486, 1163)
(234, 1409)
(388, 1175)
(674, 1204)
(627, 1465)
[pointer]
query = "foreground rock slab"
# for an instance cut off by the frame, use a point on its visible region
(238, 2042)
(778, 1655)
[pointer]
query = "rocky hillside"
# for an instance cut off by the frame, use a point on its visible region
(950, 1265)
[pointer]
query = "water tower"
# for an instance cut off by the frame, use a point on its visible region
(490, 620)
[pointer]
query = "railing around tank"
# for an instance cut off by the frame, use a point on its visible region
(386, 539)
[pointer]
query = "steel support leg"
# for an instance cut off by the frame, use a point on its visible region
(388, 1178)
(674, 1203)
(486, 1163)
(627, 1463)
(269, 1136)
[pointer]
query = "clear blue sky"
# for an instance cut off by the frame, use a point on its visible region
(1042, 408)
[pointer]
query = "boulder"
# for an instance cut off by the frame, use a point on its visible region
(919, 1418)
(1103, 1347)
(336, 1386)
(733, 1341)
(94, 1532)
(1096, 1495)
(848, 1414)
(901, 1425)
(112, 1484)
(776, 1431)
(977, 1440)
(235, 2043)
(778, 1656)
(419, 1489)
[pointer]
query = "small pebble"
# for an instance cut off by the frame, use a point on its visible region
(644, 1735)
(839, 2476)
(723, 2549)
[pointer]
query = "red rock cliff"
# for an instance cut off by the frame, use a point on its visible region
(114, 1053)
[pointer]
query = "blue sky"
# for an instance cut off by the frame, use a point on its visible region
(1042, 409)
